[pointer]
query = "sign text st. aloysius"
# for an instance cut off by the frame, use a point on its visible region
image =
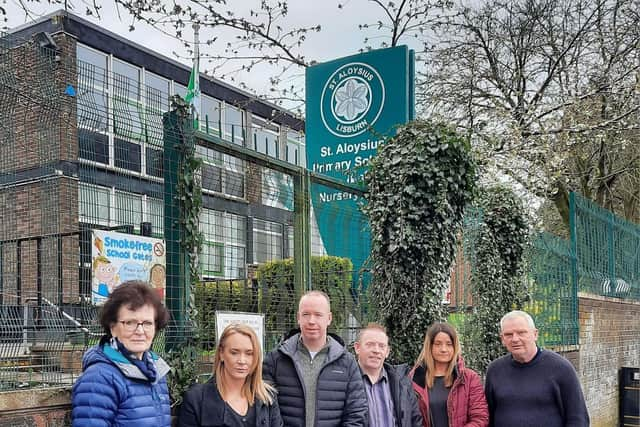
(353, 104)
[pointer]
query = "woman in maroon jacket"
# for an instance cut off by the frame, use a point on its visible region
(449, 395)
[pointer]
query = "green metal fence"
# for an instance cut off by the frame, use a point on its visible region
(608, 251)
(90, 160)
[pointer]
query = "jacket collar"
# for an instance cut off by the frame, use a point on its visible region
(218, 408)
(335, 348)
(130, 370)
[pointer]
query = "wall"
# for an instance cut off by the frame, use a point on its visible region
(38, 199)
(609, 340)
(35, 408)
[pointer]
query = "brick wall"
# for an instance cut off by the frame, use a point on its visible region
(36, 408)
(609, 340)
(38, 204)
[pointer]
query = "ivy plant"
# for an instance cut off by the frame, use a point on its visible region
(189, 197)
(417, 187)
(497, 280)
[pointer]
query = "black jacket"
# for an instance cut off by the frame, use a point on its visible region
(203, 406)
(340, 394)
(405, 403)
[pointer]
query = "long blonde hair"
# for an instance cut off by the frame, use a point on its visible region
(426, 356)
(253, 386)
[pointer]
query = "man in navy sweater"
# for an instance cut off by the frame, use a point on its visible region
(532, 387)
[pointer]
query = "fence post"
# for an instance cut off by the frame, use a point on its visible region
(177, 275)
(573, 254)
(302, 233)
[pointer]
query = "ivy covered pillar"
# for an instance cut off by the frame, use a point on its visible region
(179, 147)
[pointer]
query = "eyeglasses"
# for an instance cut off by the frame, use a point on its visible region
(132, 325)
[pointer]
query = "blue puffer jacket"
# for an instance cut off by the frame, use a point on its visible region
(341, 398)
(113, 392)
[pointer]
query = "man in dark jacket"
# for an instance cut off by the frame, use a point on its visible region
(390, 395)
(318, 380)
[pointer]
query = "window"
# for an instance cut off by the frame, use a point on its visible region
(277, 189)
(290, 239)
(94, 204)
(128, 209)
(179, 89)
(267, 241)
(127, 106)
(295, 148)
(265, 136)
(156, 104)
(92, 104)
(154, 161)
(155, 215)
(221, 173)
(234, 125)
(223, 251)
(211, 115)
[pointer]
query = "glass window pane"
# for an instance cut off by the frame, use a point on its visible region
(234, 184)
(93, 146)
(267, 241)
(180, 90)
(154, 162)
(128, 75)
(212, 259)
(159, 87)
(128, 209)
(127, 120)
(92, 109)
(277, 189)
(211, 178)
(94, 204)
(92, 67)
(235, 265)
(210, 120)
(235, 228)
(127, 155)
(155, 215)
(234, 124)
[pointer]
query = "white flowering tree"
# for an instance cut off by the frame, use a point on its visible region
(548, 92)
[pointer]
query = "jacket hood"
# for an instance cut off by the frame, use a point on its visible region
(336, 346)
(106, 354)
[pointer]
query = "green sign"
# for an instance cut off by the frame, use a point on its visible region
(353, 105)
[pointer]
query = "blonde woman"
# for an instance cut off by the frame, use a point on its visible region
(449, 395)
(235, 396)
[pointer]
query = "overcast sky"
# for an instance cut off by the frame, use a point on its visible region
(340, 35)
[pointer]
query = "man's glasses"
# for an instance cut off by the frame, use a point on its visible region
(132, 325)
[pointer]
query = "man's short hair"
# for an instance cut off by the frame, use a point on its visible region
(315, 293)
(515, 314)
(372, 326)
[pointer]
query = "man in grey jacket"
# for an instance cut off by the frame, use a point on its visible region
(392, 401)
(318, 380)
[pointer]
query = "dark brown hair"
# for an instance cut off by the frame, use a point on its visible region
(426, 357)
(132, 294)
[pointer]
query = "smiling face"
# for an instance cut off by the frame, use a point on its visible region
(139, 340)
(314, 317)
(105, 272)
(519, 338)
(442, 349)
(237, 357)
(372, 349)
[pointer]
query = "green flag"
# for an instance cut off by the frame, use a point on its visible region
(193, 90)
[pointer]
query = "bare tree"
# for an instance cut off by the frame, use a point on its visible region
(548, 92)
